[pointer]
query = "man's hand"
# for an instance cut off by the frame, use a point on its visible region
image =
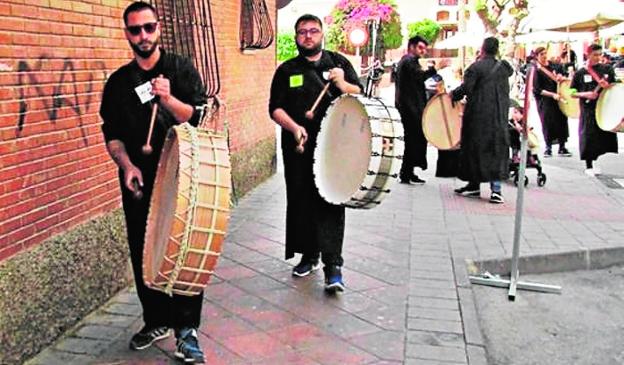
(161, 87)
(336, 75)
(592, 95)
(556, 96)
(603, 83)
(131, 174)
(301, 136)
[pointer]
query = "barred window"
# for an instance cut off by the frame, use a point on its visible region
(187, 30)
(256, 28)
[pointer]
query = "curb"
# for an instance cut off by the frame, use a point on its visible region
(588, 259)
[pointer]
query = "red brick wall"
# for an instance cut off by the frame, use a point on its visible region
(55, 56)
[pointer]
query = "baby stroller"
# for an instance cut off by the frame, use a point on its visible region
(533, 161)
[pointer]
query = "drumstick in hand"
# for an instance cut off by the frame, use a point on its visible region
(137, 194)
(147, 147)
(310, 113)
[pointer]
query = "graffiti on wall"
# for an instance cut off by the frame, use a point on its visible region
(28, 77)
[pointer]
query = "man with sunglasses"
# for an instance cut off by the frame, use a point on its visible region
(153, 76)
(313, 227)
(410, 100)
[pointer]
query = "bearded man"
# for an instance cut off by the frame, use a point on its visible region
(313, 227)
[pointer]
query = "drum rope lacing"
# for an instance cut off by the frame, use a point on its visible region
(190, 213)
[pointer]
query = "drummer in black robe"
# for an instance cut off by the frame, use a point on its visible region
(410, 100)
(484, 152)
(593, 141)
(314, 227)
(554, 122)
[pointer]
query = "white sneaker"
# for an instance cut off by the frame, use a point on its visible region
(590, 172)
(597, 170)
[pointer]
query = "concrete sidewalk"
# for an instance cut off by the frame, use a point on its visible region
(408, 300)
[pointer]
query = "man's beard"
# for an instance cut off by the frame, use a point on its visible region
(143, 53)
(309, 52)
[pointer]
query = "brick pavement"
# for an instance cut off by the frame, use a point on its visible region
(408, 300)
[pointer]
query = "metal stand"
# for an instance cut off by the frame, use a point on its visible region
(513, 283)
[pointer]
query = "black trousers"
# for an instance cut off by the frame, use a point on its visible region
(159, 309)
(313, 226)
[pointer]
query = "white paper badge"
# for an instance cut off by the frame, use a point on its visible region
(144, 91)
(326, 75)
(587, 79)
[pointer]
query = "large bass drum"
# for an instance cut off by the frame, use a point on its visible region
(189, 211)
(442, 122)
(567, 104)
(359, 151)
(609, 109)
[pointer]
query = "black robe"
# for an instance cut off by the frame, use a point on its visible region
(484, 153)
(593, 141)
(554, 122)
(312, 224)
(410, 100)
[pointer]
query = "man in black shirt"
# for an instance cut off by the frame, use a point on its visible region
(154, 76)
(313, 226)
(410, 100)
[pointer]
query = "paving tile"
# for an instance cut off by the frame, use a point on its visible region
(438, 353)
(254, 346)
(423, 324)
(386, 345)
(234, 272)
(345, 325)
(434, 314)
(226, 327)
(83, 346)
(435, 338)
(300, 335)
(337, 352)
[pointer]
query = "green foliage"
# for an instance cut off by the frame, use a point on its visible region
(286, 47)
(427, 28)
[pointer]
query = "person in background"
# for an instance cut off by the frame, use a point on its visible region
(484, 152)
(593, 141)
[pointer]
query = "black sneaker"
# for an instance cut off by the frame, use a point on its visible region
(333, 279)
(305, 267)
(416, 180)
(146, 337)
(548, 153)
(564, 152)
(469, 191)
(187, 347)
(496, 198)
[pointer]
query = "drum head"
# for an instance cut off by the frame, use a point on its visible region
(343, 150)
(568, 105)
(162, 206)
(442, 122)
(609, 111)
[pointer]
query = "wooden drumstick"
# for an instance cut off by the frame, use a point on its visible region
(137, 194)
(147, 147)
(310, 113)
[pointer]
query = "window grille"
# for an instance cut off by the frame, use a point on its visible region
(187, 30)
(256, 29)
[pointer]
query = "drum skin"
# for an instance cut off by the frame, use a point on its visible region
(610, 110)
(568, 105)
(441, 122)
(189, 211)
(359, 151)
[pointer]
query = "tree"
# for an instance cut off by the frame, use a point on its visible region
(348, 14)
(286, 46)
(426, 28)
(491, 14)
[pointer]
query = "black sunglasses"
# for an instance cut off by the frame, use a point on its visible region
(149, 28)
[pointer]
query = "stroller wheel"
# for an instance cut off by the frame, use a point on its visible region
(517, 177)
(541, 180)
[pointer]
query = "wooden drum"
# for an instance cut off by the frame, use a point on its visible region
(442, 121)
(189, 211)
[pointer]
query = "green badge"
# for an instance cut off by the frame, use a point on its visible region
(296, 81)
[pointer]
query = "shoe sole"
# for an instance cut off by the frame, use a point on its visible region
(300, 275)
(497, 202)
(335, 287)
(471, 195)
(161, 337)
(188, 360)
